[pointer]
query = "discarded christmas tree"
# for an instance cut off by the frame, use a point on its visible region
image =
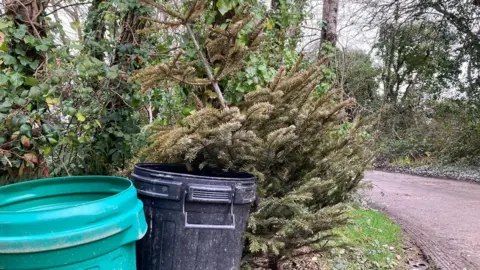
(297, 142)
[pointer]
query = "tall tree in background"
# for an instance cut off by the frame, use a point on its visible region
(460, 18)
(418, 61)
(358, 76)
(329, 19)
(429, 52)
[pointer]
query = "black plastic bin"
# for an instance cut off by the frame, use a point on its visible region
(195, 219)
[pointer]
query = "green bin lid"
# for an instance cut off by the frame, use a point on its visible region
(57, 213)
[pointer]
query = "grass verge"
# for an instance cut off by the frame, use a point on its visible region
(375, 242)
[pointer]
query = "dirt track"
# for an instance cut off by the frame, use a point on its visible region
(441, 216)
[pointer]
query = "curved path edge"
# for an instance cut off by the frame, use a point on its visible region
(440, 216)
(435, 253)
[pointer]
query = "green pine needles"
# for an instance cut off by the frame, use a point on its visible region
(291, 141)
(296, 142)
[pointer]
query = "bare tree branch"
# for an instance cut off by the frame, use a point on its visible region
(67, 6)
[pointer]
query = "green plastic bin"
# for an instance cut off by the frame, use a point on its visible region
(83, 222)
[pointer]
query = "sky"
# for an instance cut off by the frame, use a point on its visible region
(350, 36)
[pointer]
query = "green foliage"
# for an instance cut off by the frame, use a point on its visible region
(256, 72)
(25, 134)
(65, 110)
(224, 6)
(377, 242)
(359, 76)
(448, 135)
(100, 115)
(418, 59)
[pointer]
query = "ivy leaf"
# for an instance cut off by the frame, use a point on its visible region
(112, 75)
(26, 130)
(5, 106)
(34, 64)
(30, 40)
(20, 32)
(20, 51)
(250, 70)
(24, 60)
(34, 93)
(16, 79)
(41, 47)
(21, 101)
(80, 117)
(44, 45)
(224, 6)
(5, 24)
(31, 81)
(8, 59)
(3, 79)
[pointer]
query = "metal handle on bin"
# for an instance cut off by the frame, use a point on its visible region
(209, 226)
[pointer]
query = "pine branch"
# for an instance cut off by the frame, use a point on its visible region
(207, 67)
(164, 9)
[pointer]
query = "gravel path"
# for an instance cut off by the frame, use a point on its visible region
(441, 216)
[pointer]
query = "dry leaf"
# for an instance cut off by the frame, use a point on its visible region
(30, 157)
(25, 141)
(2, 40)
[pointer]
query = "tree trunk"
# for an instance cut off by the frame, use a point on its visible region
(129, 40)
(329, 17)
(27, 12)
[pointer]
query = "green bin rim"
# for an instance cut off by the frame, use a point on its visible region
(66, 178)
(25, 231)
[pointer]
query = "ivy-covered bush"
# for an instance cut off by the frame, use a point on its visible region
(65, 109)
(26, 135)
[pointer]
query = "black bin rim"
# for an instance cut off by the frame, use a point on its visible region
(181, 170)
